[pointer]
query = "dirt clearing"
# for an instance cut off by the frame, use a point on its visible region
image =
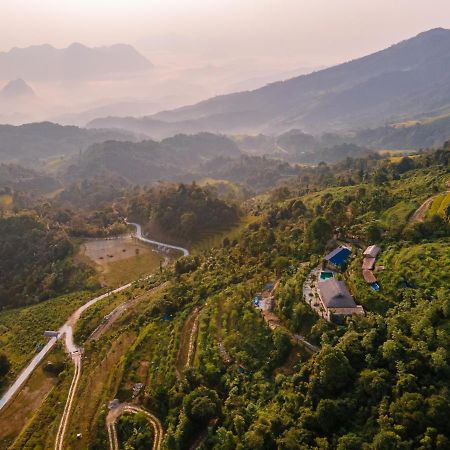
(119, 260)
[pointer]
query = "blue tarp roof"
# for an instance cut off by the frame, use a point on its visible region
(338, 256)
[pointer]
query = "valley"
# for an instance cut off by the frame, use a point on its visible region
(255, 270)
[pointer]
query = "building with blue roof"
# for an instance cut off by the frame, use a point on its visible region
(338, 258)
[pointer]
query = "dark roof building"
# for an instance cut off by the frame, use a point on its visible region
(334, 294)
(338, 257)
(336, 299)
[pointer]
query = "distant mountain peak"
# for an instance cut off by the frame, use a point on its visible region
(17, 89)
(77, 61)
(435, 32)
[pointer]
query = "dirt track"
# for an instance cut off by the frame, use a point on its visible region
(188, 338)
(115, 413)
(419, 214)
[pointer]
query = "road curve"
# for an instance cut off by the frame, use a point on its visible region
(139, 236)
(419, 214)
(66, 330)
(114, 414)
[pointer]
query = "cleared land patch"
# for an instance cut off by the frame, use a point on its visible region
(121, 259)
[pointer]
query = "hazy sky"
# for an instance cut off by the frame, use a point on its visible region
(313, 32)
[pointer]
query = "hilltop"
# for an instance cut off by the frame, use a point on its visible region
(17, 89)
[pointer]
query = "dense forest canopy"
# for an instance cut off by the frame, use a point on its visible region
(184, 211)
(36, 261)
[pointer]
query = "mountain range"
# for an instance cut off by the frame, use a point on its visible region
(407, 80)
(76, 62)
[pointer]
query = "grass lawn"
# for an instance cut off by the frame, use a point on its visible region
(120, 260)
(398, 214)
(421, 266)
(129, 269)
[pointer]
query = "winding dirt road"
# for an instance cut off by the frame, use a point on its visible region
(419, 214)
(76, 357)
(115, 413)
(66, 331)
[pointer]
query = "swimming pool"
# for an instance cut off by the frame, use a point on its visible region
(326, 275)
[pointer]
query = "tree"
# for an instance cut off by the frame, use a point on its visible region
(280, 264)
(319, 232)
(373, 232)
(4, 365)
(201, 405)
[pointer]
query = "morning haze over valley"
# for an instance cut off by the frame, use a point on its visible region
(225, 225)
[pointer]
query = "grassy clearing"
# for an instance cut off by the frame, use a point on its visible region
(424, 121)
(398, 158)
(123, 271)
(21, 330)
(439, 205)
(120, 260)
(394, 151)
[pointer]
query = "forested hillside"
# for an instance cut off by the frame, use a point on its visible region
(183, 211)
(150, 161)
(378, 381)
(195, 347)
(36, 261)
(33, 141)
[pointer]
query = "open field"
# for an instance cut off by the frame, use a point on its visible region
(121, 259)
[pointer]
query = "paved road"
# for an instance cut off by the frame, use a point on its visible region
(66, 331)
(24, 375)
(115, 413)
(139, 235)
